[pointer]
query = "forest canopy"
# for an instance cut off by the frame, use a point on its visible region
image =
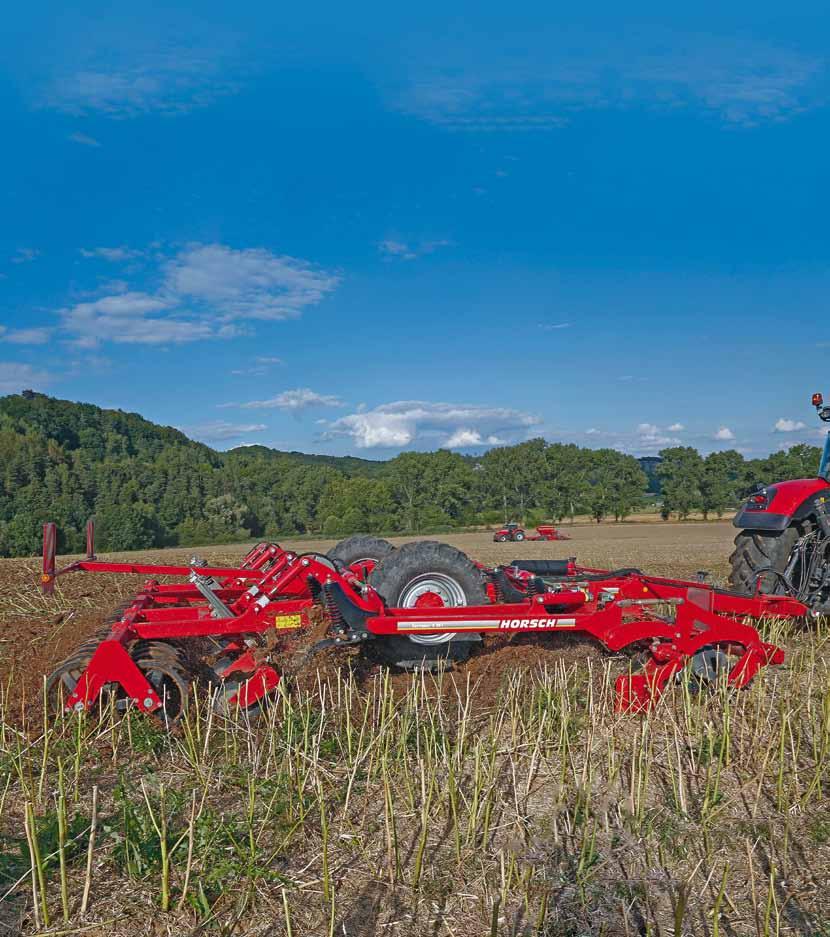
(152, 486)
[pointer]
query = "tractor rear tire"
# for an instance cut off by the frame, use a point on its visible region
(426, 566)
(756, 550)
(358, 548)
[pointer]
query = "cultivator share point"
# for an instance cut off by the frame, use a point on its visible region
(412, 607)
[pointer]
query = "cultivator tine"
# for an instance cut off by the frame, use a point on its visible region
(638, 692)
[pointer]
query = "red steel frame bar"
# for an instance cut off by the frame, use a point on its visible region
(100, 566)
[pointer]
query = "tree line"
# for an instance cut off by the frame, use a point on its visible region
(151, 486)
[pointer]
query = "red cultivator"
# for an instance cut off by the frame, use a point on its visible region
(411, 607)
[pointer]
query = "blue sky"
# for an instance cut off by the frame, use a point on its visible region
(362, 229)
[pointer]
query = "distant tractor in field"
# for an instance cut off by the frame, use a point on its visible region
(513, 533)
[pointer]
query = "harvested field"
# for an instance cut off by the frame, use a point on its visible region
(505, 797)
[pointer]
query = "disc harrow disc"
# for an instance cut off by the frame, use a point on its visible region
(168, 672)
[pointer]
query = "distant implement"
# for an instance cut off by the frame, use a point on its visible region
(231, 628)
(514, 533)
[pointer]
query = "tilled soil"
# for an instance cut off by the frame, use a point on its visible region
(38, 632)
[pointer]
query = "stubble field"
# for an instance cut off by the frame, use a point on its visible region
(505, 797)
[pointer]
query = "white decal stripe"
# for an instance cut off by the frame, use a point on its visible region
(540, 624)
(446, 625)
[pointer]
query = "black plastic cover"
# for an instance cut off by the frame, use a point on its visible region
(542, 567)
(761, 520)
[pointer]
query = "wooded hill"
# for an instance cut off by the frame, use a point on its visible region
(149, 485)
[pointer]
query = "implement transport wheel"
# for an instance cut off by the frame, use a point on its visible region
(360, 549)
(167, 670)
(761, 550)
(426, 574)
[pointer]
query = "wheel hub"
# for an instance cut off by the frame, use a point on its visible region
(432, 590)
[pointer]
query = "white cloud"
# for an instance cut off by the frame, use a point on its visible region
(247, 284)
(261, 365)
(463, 438)
(724, 434)
(34, 336)
(396, 249)
(676, 428)
(784, 425)
(200, 294)
(644, 439)
(131, 318)
(112, 254)
(399, 424)
(219, 430)
(738, 81)
(25, 255)
(650, 438)
(392, 247)
(172, 80)
(15, 377)
(83, 139)
(548, 327)
(302, 398)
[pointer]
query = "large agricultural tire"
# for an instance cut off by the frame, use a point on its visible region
(757, 550)
(359, 549)
(426, 571)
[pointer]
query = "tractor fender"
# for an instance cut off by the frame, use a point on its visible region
(790, 501)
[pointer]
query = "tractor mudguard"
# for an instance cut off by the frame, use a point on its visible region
(784, 502)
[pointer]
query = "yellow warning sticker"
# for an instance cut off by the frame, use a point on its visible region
(283, 622)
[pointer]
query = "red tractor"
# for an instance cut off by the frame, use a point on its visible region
(514, 533)
(784, 543)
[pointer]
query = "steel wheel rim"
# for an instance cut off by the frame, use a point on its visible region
(440, 584)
